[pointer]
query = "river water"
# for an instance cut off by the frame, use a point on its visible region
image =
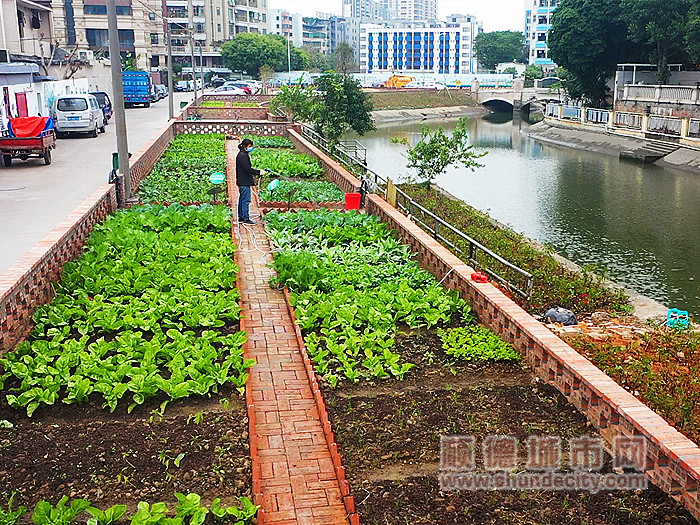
(639, 222)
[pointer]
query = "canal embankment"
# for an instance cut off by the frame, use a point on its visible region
(600, 140)
(392, 116)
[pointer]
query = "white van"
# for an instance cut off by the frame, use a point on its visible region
(79, 113)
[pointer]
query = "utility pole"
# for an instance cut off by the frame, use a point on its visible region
(289, 61)
(190, 26)
(118, 92)
(171, 111)
(201, 65)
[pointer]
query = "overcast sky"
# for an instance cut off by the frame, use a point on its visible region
(497, 15)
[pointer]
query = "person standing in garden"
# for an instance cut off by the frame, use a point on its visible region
(245, 178)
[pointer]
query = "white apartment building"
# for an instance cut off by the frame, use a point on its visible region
(289, 25)
(538, 15)
(427, 46)
(412, 9)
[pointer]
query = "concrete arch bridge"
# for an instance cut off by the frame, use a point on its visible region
(516, 100)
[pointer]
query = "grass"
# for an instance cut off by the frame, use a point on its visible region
(554, 285)
(213, 104)
(420, 99)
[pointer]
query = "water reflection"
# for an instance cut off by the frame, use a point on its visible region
(640, 222)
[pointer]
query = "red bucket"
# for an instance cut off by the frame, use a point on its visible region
(352, 201)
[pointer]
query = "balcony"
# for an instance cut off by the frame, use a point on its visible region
(176, 3)
(198, 3)
(178, 19)
(199, 19)
(200, 36)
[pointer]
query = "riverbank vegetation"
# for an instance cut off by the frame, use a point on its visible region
(555, 285)
(660, 366)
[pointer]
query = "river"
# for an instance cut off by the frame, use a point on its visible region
(639, 222)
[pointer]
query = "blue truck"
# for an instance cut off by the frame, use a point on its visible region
(137, 88)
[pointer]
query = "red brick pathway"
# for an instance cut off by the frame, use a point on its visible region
(298, 479)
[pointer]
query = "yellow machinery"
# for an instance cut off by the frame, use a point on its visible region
(398, 81)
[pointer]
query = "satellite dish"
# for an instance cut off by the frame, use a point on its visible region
(217, 177)
(273, 185)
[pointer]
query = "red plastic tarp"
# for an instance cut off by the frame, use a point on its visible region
(28, 126)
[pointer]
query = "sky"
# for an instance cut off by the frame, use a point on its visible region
(496, 15)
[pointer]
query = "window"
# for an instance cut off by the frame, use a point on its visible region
(122, 10)
(154, 38)
(218, 11)
(541, 37)
(541, 53)
(218, 28)
(72, 104)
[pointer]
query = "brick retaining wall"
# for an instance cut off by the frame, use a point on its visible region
(28, 283)
(262, 127)
(672, 461)
(142, 163)
(234, 98)
(208, 113)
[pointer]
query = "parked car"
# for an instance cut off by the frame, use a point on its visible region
(161, 91)
(105, 103)
(239, 84)
(217, 82)
(79, 113)
(183, 85)
(230, 90)
(154, 94)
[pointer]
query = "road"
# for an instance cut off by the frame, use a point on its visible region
(34, 197)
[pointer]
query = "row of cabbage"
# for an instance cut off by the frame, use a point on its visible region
(355, 287)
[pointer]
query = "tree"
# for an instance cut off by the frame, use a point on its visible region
(335, 104)
(250, 51)
(531, 73)
(663, 25)
(297, 101)
(498, 46)
(342, 104)
(266, 74)
(318, 61)
(436, 151)
(344, 58)
(510, 71)
(589, 38)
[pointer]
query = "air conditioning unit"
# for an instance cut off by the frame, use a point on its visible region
(87, 56)
(4, 55)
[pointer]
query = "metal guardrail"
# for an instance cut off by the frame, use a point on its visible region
(432, 223)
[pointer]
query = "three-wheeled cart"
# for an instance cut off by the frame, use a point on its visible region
(25, 147)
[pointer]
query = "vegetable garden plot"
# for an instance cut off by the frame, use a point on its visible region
(182, 173)
(401, 364)
(302, 191)
(148, 315)
(283, 162)
(262, 141)
(355, 288)
(149, 309)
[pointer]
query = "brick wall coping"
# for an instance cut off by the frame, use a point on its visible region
(672, 462)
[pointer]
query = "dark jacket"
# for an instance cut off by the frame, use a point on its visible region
(244, 171)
